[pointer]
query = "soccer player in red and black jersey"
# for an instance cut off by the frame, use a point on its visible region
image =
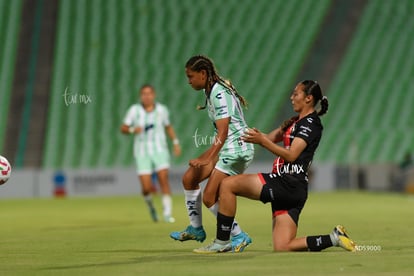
(286, 187)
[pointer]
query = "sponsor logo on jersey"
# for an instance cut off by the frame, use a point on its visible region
(148, 127)
(221, 110)
(304, 130)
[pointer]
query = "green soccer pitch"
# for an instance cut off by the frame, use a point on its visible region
(115, 236)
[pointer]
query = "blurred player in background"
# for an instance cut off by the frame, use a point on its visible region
(286, 188)
(228, 155)
(148, 121)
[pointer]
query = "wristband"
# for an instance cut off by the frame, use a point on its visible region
(131, 130)
(176, 141)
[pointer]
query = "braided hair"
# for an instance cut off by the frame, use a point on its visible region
(311, 88)
(198, 63)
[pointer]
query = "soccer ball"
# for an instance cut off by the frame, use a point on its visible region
(5, 170)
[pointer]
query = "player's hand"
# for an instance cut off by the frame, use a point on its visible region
(137, 130)
(254, 136)
(198, 163)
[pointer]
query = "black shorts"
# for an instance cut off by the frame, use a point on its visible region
(286, 193)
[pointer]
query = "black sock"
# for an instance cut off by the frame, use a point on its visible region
(224, 224)
(318, 243)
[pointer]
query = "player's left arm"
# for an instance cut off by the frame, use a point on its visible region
(169, 129)
(176, 143)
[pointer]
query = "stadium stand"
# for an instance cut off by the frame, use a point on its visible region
(9, 26)
(105, 50)
(370, 98)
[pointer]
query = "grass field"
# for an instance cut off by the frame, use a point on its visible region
(115, 236)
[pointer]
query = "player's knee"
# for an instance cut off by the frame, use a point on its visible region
(187, 181)
(225, 182)
(226, 185)
(281, 247)
(285, 246)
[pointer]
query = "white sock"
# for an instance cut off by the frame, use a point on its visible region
(214, 209)
(167, 205)
(194, 207)
(334, 240)
(235, 228)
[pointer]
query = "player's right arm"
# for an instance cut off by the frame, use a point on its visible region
(256, 137)
(126, 129)
(128, 126)
(212, 152)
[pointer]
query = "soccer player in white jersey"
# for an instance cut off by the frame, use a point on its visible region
(148, 121)
(228, 155)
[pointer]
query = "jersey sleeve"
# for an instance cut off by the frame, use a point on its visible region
(222, 104)
(130, 116)
(308, 129)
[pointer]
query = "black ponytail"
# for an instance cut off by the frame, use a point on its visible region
(313, 88)
(324, 106)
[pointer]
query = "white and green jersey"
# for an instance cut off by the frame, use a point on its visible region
(152, 139)
(221, 104)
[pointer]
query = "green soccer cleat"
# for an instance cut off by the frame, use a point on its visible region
(216, 246)
(340, 238)
(240, 242)
(190, 233)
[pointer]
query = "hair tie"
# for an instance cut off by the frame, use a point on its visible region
(324, 98)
